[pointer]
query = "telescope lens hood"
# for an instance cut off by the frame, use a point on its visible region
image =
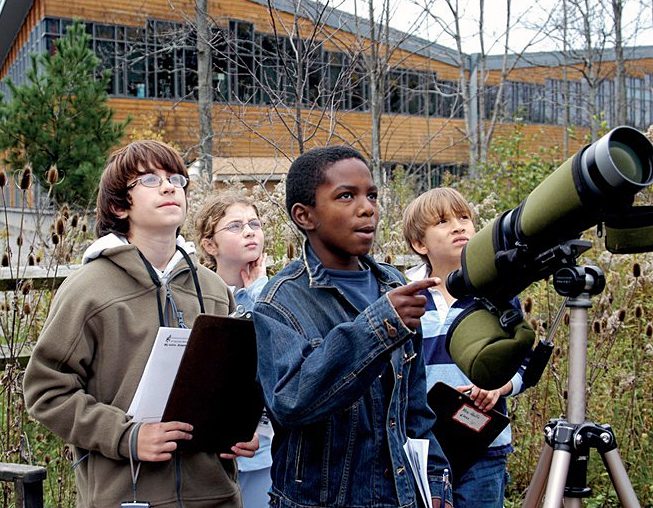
(618, 165)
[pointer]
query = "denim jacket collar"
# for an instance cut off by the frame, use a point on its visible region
(319, 277)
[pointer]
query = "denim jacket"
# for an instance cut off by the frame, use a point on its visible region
(344, 389)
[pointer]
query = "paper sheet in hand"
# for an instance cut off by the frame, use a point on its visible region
(215, 389)
(463, 431)
(152, 392)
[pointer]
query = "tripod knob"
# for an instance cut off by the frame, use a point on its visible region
(573, 280)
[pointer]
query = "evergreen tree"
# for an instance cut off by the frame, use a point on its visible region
(60, 116)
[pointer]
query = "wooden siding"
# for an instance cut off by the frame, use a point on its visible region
(406, 138)
(539, 74)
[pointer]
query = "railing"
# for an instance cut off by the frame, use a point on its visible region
(28, 483)
(40, 278)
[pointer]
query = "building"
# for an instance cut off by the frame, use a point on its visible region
(268, 101)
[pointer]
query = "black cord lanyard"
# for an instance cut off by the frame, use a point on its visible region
(157, 281)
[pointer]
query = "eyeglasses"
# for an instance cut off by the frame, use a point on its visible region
(237, 227)
(153, 180)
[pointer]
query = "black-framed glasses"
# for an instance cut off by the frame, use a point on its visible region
(237, 227)
(153, 180)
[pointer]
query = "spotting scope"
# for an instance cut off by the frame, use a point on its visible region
(598, 184)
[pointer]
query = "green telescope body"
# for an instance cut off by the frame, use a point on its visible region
(598, 182)
(489, 340)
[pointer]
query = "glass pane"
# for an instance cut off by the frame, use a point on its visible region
(190, 73)
(52, 25)
(105, 31)
(136, 70)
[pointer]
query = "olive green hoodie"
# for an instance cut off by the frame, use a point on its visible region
(87, 363)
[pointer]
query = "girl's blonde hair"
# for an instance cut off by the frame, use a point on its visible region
(206, 219)
(428, 208)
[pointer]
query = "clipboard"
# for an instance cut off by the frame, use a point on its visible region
(215, 389)
(463, 431)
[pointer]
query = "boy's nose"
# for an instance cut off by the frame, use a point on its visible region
(457, 225)
(367, 208)
(166, 186)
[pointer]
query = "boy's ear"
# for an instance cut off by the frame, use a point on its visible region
(209, 246)
(419, 247)
(302, 216)
(121, 213)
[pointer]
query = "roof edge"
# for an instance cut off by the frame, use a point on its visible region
(12, 16)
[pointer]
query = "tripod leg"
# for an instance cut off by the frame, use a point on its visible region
(535, 490)
(619, 477)
(555, 487)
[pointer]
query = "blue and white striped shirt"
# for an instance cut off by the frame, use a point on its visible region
(439, 365)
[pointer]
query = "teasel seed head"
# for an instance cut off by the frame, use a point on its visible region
(26, 178)
(26, 287)
(53, 175)
(621, 315)
(60, 226)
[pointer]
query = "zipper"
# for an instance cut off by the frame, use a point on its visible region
(177, 313)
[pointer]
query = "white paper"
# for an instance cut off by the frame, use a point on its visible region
(159, 375)
(417, 451)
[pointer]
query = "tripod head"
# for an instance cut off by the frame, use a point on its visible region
(572, 281)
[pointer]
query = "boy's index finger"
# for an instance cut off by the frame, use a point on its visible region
(417, 286)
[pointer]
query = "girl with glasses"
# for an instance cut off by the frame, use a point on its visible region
(230, 236)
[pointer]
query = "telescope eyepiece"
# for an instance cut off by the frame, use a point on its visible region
(456, 284)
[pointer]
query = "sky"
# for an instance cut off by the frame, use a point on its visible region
(527, 17)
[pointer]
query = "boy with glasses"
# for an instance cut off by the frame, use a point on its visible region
(138, 276)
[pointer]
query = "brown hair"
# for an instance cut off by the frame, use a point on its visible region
(122, 167)
(427, 209)
(206, 219)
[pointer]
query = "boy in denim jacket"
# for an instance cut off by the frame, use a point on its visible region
(339, 355)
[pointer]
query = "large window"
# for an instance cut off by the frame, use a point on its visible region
(523, 101)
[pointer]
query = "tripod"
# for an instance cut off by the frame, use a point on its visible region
(565, 456)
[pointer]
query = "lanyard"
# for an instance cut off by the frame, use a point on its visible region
(157, 282)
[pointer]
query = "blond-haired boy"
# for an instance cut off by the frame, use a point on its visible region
(437, 225)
